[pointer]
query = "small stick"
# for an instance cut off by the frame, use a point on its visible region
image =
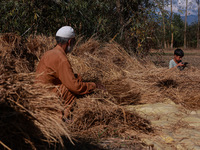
(5, 145)
(28, 29)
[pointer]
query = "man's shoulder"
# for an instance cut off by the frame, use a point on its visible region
(51, 51)
(55, 53)
(56, 56)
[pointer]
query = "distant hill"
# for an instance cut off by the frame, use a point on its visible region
(190, 19)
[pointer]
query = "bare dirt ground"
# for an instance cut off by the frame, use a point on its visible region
(162, 57)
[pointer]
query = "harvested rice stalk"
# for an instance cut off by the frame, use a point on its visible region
(122, 92)
(39, 44)
(29, 112)
(95, 118)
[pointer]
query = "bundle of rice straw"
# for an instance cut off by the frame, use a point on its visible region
(22, 56)
(96, 117)
(39, 44)
(30, 116)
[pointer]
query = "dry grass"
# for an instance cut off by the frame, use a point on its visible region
(131, 82)
(30, 114)
(23, 56)
(182, 87)
(99, 116)
(39, 44)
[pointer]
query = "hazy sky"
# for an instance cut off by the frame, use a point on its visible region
(179, 7)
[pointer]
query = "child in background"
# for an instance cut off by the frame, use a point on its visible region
(177, 61)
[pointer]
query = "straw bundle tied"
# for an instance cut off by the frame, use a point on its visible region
(101, 115)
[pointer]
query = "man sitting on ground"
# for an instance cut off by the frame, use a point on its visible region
(55, 69)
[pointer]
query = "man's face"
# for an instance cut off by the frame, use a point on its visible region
(70, 45)
(177, 58)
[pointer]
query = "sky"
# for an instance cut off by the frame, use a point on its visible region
(179, 7)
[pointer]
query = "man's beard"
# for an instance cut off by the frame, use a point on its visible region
(69, 49)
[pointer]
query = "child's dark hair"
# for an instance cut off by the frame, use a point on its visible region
(179, 52)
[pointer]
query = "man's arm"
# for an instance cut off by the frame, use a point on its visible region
(75, 85)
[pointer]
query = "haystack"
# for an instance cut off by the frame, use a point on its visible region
(30, 115)
(22, 56)
(97, 117)
(43, 110)
(129, 80)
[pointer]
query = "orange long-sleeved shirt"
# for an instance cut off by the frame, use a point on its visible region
(54, 68)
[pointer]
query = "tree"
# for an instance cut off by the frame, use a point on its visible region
(198, 28)
(164, 32)
(178, 30)
(171, 31)
(192, 35)
(161, 6)
(132, 23)
(24, 17)
(185, 29)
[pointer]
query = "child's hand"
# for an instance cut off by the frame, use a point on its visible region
(180, 64)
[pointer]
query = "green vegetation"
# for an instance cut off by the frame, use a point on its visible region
(132, 23)
(27, 17)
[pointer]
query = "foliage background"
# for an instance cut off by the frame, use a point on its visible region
(135, 24)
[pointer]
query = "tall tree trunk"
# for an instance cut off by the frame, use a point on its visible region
(185, 30)
(164, 33)
(121, 19)
(171, 31)
(163, 17)
(161, 6)
(198, 30)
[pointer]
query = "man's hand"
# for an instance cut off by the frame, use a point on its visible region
(78, 77)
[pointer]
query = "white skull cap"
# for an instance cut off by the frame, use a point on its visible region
(66, 32)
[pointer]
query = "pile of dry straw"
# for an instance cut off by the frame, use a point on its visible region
(29, 115)
(32, 115)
